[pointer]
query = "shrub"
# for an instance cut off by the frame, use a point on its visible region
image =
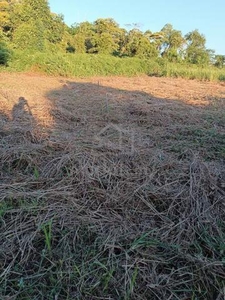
(4, 54)
(54, 62)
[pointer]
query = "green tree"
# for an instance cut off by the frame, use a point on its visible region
(26, 10)
(106, 37)
(155, 38)
(172, 43)
(4, 14)
(196, 52)
(195, 39)
(80, 37)
(55, 28)
(5, 22)
(33, 22)
(30, 35)
(79, 43)
(103, 44)
(140, 45)
(85, 28)
(219, 61)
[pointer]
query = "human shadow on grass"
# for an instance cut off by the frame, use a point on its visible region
(17, 138)
(20, 117)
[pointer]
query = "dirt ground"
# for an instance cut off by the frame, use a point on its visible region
(48, 97)
(72, 108)
(36, 88)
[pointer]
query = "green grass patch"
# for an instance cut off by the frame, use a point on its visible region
(60, 64)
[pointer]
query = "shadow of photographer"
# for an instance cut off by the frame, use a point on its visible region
(22, 115)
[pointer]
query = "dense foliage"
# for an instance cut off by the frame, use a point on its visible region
(4, 54)
(29, 25)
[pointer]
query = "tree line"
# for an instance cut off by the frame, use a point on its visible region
(30, 25)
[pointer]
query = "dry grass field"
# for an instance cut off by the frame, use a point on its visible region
(111, 188)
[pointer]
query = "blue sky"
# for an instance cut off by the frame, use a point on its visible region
(205, 15)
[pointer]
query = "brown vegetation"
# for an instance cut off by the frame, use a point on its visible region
(111, 188)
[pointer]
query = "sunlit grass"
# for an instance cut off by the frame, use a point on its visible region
(103, 65)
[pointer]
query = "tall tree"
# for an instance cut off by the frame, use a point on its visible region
(34, 24)
(4, 14)
(140, 45)
(219, 61)
(155, 38)
(172, 43)
(196, 51)
(106, 37)
(55, 28)
(26, 10)
(30, 36)
(80, 37)
(5, 22)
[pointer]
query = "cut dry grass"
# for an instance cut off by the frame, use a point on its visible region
(112, 193)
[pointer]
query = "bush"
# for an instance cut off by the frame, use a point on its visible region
(4, 54)
(54, 62)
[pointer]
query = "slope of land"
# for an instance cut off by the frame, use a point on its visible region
(111, 188)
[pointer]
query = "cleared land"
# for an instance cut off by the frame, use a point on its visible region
(111, 188)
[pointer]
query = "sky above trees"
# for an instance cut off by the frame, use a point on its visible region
(206, 16)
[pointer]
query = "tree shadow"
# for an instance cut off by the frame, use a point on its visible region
(83, 110)
(89, 115)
